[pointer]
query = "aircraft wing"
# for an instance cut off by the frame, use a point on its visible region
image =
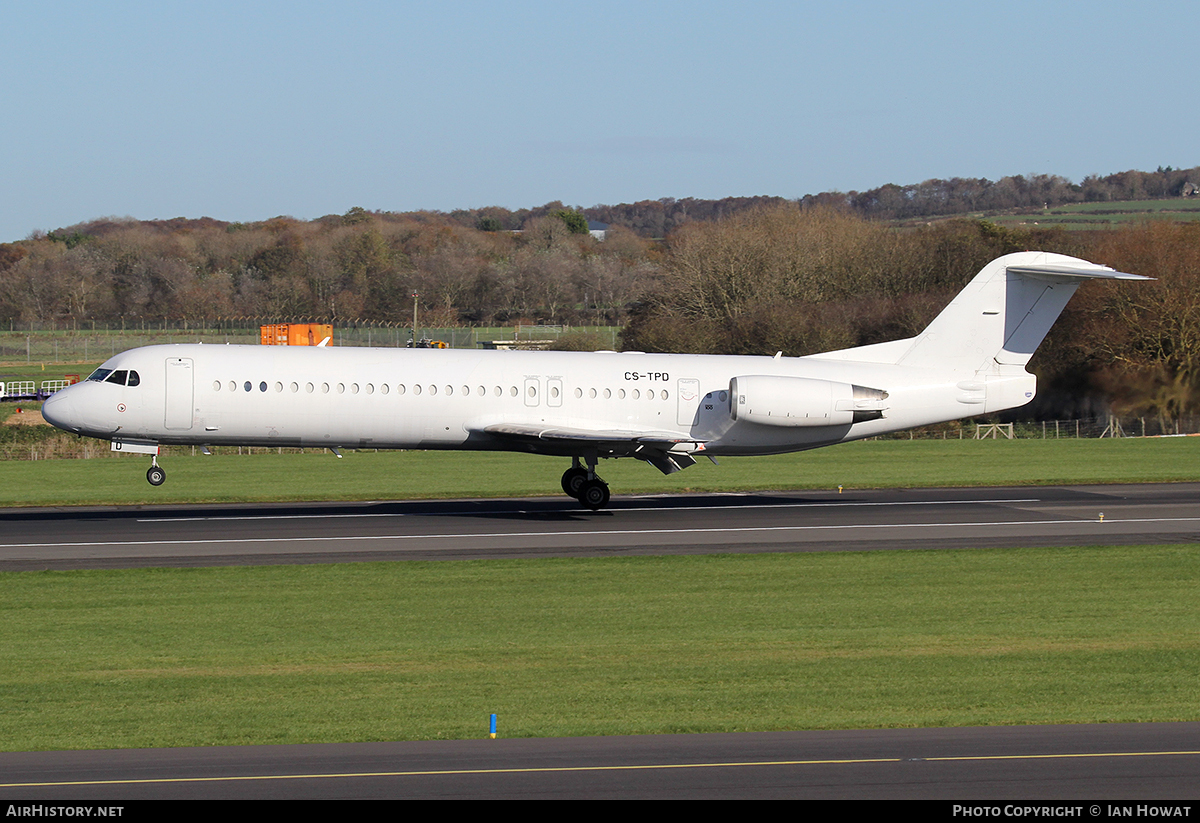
(667, 451)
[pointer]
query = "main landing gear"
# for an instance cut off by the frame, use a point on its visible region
(585, 485)
(155, 475)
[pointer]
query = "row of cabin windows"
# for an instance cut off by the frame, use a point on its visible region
(401, 388)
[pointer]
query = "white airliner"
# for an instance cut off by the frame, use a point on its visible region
(665, 409)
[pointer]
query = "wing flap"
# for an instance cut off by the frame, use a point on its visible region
(667, 451)
(569, 434)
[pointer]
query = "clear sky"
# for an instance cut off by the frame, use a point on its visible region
(247, 110)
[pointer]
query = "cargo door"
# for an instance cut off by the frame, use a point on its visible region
(178, 415)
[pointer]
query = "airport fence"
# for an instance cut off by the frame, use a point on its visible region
(94, 345)
(21, 441)
(1087, 427)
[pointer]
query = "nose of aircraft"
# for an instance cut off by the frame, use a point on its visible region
(60, 411)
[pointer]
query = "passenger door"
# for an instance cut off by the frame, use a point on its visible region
(178, 414)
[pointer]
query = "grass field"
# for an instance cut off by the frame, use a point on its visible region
(229, 477)
(379, 651)
(391, 651)
(1106, 215)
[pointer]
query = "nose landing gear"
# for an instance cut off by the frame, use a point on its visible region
(155, 475)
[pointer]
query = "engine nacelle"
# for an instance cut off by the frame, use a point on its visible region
(772, 400)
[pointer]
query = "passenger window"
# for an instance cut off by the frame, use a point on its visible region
(262, 386)
(248, 387)
(216, 385)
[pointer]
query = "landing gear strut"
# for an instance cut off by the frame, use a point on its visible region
(155, 475)
(585, 485)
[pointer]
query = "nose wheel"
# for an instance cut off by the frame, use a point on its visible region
(155, 475)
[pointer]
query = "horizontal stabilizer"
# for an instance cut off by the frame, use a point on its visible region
(1087, 270)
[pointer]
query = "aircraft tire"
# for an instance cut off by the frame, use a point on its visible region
(572, 481)
(155, 476)
(594, 494)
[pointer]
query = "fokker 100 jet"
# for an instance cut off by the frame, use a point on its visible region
(665, 409)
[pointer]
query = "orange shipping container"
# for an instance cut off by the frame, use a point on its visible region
(295, 334)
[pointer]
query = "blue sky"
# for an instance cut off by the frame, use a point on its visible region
(244, 111)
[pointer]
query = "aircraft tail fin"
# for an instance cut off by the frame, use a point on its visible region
(1004, 313)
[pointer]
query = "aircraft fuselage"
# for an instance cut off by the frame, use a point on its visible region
(431, 399)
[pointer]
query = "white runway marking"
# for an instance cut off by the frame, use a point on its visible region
(598, 532)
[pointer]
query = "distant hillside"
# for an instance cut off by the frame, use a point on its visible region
(1103, 215)
(933, 198)
(967, 195)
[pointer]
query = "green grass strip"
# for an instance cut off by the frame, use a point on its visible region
(393, 651)
(228, 477)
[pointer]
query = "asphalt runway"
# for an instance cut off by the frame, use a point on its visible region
(1131, 761)
(1085, 763)
(557, 527)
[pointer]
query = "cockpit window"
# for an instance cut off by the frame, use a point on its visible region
(122, 377)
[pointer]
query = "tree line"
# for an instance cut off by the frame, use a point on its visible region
(778, 277)
(357, 266)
